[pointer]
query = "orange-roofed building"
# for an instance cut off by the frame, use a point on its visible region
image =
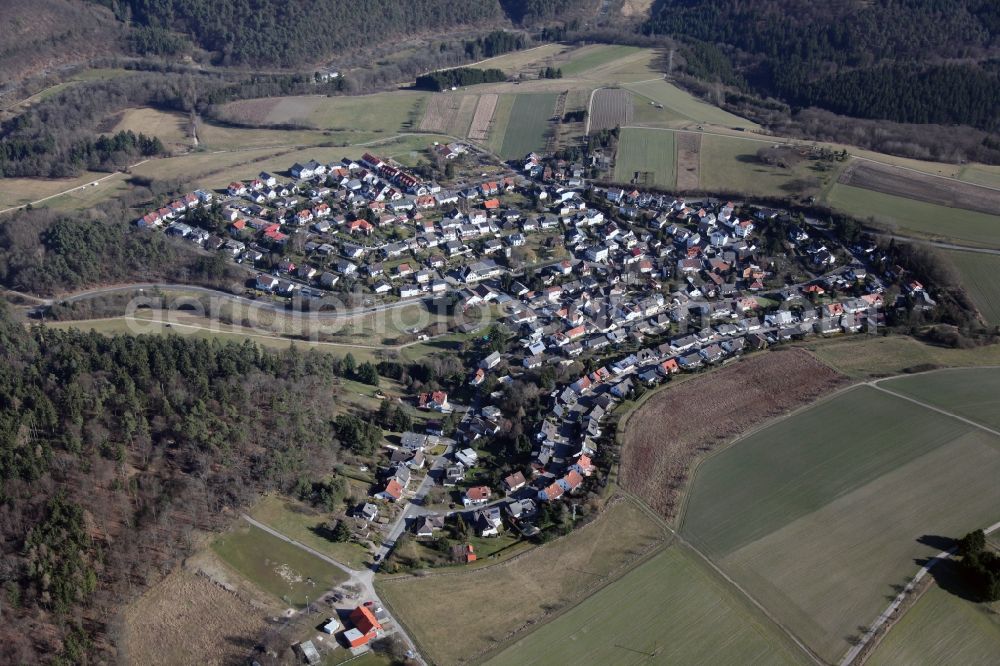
(463, 553)
(364, 620)
(366, 627)
(491, 204)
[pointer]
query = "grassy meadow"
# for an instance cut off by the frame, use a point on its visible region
(686, 105)
(304, 524)
(863, 357)
(485, 605)
(917, 217)
(647, 150)
(275, 566)
(528, 125)
(589, 57)
(980, 275)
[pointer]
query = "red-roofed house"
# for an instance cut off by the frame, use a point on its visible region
(476, 495)
(552, 493)
(360, 226)
(393, 491)
(571, 481)
(514, 482)
(436, 400)
(583, 465)
(491, 204)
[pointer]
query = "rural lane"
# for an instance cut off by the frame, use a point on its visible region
(363, 579)
(853, 653)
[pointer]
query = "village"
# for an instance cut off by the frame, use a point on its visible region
(628, 287)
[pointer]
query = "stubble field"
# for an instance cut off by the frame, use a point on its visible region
(680, 425)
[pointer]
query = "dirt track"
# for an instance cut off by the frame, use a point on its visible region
(912, 185)
(682, 424)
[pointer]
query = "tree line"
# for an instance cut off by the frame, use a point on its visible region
(460, 76)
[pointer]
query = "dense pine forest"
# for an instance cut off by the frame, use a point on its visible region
(908, 61)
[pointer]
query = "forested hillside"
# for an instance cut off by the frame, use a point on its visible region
(910, 61)
(292, 33)
(112, 450)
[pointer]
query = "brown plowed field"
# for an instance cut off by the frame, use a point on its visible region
(688, 161)
(921, 187)
(449, 114)
(480, 128)
(680, 425)
(611, 108)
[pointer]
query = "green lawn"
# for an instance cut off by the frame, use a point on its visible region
(925, 219)
(980, 274)
(594, 57)
(730, 164)
(528, 125)
(686, 104)
(276, 566)
(671, 609)
(646, 150)
(942, 629)
(973, 393)
(300, 522)
(500, 122)
(819, 515)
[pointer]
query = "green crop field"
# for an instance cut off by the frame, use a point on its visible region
(820, 514)
(730, 164)
(500, 122)
(646, 150)
(671, 608)
(595, 56)
(942, 629)
(973, 393)
(528, 124)
(276, 566)
(980, 274)
(687, 105)
(907, 215)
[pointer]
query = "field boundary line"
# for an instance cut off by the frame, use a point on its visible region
(612, 577)
(875, 384)
(590, 110)
(788, 632)
(853, 653)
